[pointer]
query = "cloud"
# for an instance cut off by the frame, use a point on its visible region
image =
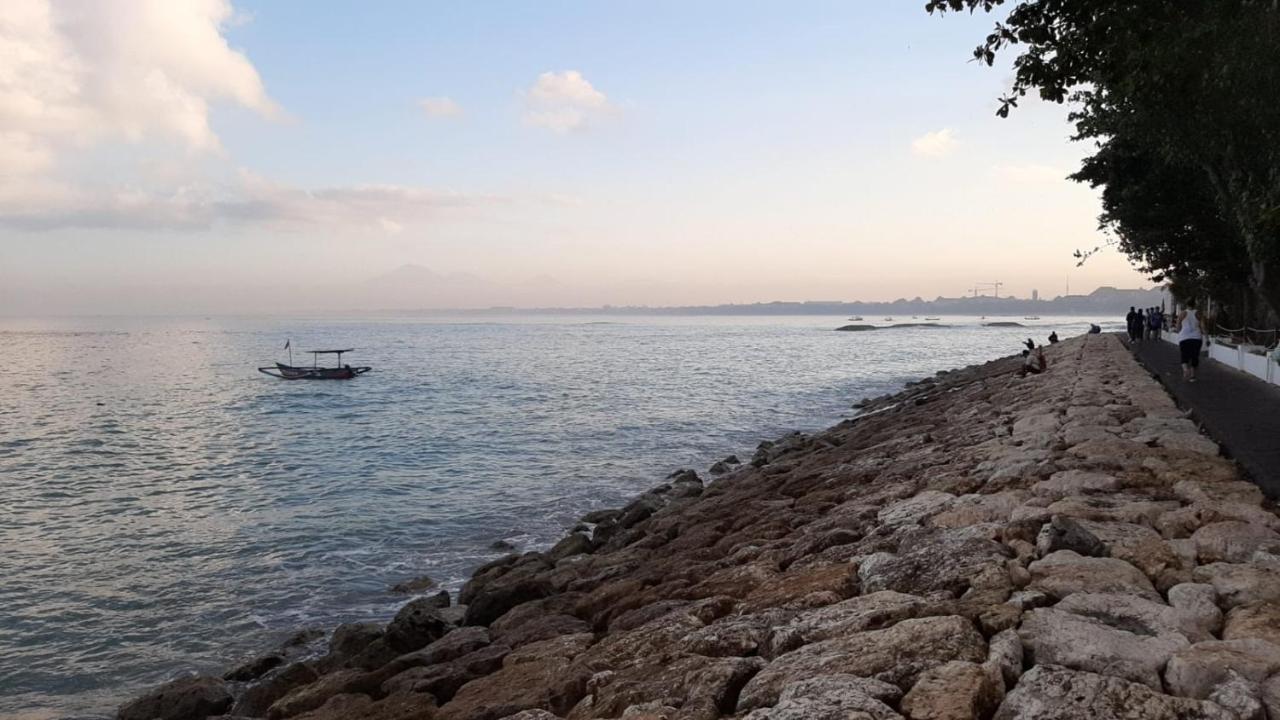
(934, 144)
(440, 107)
(81, 78)
(565, 102)
(1030, 173)
(248, 201)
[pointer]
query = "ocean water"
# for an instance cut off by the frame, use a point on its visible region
(164, 507)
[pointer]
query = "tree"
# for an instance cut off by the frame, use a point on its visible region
(1194, 86)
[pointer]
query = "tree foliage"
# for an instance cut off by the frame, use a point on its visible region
(1184, 101)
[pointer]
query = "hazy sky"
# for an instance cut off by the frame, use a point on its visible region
(571, 152)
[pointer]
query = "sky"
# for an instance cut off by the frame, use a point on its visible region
(204, 155)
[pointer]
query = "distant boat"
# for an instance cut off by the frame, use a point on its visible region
(1032, 317)
(933, 318)
(914, 317)
(315, 372)
(856, 318)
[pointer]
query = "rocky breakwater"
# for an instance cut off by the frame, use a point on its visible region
(981, 545)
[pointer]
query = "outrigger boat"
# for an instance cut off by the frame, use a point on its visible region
(315, 372)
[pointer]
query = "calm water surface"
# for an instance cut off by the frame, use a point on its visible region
(164, 507)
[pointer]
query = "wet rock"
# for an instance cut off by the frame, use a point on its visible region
(413, 586)
(1080, 642)
(1270, 694)
(311, 696)
(362, 707)
(502, 546)
(897, 654)
(532, 715)
(415, 626)
(349, 639)
(255, 668)
(453, 645)
(259, 696)
(1065, 572)
(1195, 671)
(495, 599)
(189, 698)
(1047, 692)
(954, 691)
(572, 544)
(598, 516)
(1233, 541)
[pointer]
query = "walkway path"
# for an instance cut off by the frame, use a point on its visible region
(1239, 411)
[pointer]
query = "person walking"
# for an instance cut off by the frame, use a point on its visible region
(1154, 321)
(1190, 330)
(1128, 320)
(1139, 325)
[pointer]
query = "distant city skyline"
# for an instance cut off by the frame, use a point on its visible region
(574, 154)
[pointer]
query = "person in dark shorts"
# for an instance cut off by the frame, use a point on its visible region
(1129, 321)
(1190, 340)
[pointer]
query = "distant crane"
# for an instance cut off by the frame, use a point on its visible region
(983, 287)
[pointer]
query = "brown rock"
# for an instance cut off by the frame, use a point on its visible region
(259, 696)
(1259, 620)
(188, 698)
(953, 691)
(1047, 692)
(1197, 670)
(415, 626)
(549, 685)
(897, 654)
(1065, 572)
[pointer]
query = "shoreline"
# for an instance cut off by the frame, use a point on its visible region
(943, 529)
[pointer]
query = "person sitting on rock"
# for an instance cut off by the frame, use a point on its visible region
(1030, 345)
(1033, 362)
(1053, 338)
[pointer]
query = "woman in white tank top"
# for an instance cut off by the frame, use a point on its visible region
(1190, 340)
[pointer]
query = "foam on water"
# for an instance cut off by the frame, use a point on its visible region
(167, 508)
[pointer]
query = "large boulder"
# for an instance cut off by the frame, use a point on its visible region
(1233, 541)
(1197, 670)
(954, 691)
(548, 685)
(188, 698)
(260, 695)
(1081, 642)
(1048, 692)
(1260, 620)
(1065, 572)
(1239, 584)
(417, 625)
(897, 654)
(833, 697)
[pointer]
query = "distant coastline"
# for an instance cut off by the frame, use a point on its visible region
(1103, 301)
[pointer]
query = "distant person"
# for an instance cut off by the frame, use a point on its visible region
(1190, 328)
(1033, 362)
(1139, 326)
(1155, 321)
(1053, 338)
(1130, 319)
(1030, 345)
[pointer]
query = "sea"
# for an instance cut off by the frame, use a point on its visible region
(166, 508)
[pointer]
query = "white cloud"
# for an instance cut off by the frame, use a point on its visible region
(440, 107)
(1030, 173)
(564, 102)
(934, 144)
(77, 78)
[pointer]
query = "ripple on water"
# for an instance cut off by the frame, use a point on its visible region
(168, 508)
